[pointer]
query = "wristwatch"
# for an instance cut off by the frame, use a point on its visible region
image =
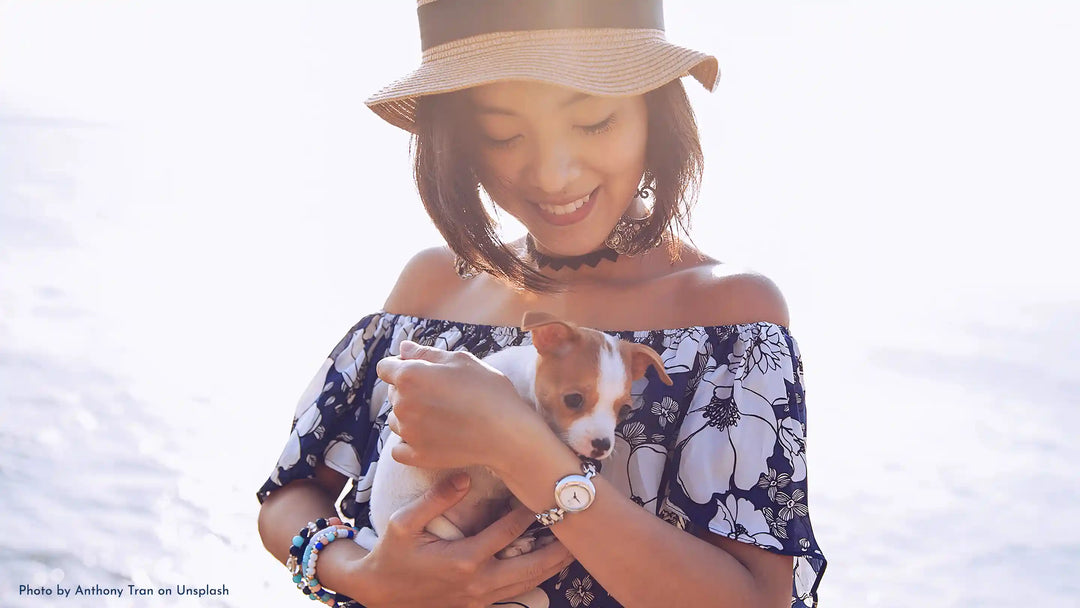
(573, 493)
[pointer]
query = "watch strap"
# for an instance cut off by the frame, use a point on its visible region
(556, 514)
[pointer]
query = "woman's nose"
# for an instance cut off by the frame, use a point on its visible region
(555, 168)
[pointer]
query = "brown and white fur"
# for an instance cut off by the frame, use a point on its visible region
(578, 379)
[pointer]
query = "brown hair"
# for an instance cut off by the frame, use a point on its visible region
(448, 186)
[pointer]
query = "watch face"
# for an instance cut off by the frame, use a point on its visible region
(575, 495)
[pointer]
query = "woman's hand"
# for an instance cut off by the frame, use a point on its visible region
(453, 410)
(410, 568)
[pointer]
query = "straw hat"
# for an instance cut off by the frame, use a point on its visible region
(599, 47)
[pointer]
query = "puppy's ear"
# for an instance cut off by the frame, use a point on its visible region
(535, 318)
(550, 335)
(641, 357)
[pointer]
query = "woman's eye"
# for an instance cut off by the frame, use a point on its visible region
(600, 127)
(624, 412)
(573, 401)
(501, 143)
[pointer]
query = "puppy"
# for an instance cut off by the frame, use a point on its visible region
(578, 379)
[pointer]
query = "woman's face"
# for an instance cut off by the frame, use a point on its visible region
(565, 164)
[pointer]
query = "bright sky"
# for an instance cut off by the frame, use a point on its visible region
(863, 153)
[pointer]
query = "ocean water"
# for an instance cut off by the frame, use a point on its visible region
(195, 205)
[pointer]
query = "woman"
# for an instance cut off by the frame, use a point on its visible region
(570, 115)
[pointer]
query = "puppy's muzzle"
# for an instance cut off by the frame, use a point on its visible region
(600, 447)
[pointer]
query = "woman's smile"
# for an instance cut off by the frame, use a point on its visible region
(566, 164)
(564, 214)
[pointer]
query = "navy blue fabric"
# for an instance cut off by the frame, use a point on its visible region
(722, 449)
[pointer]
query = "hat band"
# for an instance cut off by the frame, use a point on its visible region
(449, 20)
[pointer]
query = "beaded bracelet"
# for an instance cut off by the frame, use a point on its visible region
(311, 556)
(300, 541)
(304, 553)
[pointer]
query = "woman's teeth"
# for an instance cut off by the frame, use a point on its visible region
(567, 208)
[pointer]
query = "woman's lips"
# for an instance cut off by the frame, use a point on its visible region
(551, 213)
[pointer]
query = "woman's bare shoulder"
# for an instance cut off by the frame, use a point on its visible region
(717, 293)
(427, 279)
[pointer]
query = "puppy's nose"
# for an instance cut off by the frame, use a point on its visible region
(600, 446)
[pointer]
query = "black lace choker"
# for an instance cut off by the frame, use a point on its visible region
(573, 262)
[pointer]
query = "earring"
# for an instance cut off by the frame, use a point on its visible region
(626, 230)
(622, 236)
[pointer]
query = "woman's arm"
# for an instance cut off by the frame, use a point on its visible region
(638, 558)
(410, 568)
(290, 508)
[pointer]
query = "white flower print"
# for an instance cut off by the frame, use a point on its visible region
(728, 433)
(380, 400)
(794, 443)
(773, 481)
(776, 524)
(342, 457)
(351, 359)
(790, 505)
(761, 347)
(667, 410)
(682, 348)
(633, 433)
(316, 387)
(805, 576)
(449, 339)
(739, 519)
(562, 576)
(578, 593)
(308, 421)
(288, 458)
(504, 336)
(405, 331)
(636, 469)
(673, 517)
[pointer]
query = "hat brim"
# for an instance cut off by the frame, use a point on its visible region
(602, 62)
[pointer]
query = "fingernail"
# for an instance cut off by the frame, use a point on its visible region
(460, 481)
(408, 348)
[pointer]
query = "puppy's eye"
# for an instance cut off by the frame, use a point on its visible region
(573, 401)
(624, 412)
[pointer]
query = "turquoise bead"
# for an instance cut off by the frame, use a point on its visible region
(297, 541)
(297, 578)
(330, 537)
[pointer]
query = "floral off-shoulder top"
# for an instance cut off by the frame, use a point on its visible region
(724, 448)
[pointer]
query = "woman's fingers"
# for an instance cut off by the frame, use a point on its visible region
(412, 350)
(413, 366)
(514, 576)
(414, 517)
(503, 531)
